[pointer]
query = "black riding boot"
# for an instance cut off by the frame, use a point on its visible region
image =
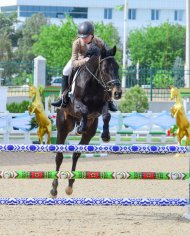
(111, 106)
(64, 100)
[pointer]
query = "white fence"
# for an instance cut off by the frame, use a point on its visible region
(125, 128)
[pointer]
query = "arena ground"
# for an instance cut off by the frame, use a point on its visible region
(95, 220)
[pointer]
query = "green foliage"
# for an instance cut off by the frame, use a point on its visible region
(7, 23)
(55, 42)
(158, 46)
(135, 99)
(21, 78)
(30, 31)
(7, 33)
(173, 130)
(33, 123)
(178, 73)
(109, 34)
(5, 47)
(18, 107)
(163, 79)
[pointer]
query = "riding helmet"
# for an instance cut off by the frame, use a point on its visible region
(85, 29)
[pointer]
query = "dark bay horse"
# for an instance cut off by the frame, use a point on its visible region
(97, 80)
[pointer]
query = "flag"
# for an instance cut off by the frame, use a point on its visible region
(119, 8)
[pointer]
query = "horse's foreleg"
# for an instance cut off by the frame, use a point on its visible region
(58, 160)
(106, 116)
(83, 125)
(187, 134)
(86, 137)
(180, 135)
(69, 189)
(49, 134)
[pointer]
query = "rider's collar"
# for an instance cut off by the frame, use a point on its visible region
(91, 40)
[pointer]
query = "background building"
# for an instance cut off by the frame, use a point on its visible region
(140, 12)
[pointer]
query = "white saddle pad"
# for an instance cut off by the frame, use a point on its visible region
(73, 83)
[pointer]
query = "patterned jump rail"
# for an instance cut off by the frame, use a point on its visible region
(95, 201)
(20, 174)
(94, 148)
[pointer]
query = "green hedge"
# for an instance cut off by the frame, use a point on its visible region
(18, 107)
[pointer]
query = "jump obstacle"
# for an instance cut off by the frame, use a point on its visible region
(146, 149)
(20, 174)
(94, 201)
(94, 148)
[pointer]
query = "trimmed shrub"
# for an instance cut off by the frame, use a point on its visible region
(134, 99)
(18, 107)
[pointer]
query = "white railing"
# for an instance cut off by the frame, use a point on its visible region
(125, 128)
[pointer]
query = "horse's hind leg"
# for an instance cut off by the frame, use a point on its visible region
(86, 137)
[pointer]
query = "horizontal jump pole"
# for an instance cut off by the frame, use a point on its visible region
(20, 174)
(95, 201)
(94, 148)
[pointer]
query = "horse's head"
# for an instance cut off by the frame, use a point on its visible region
(174, 92)
(109, 72)
(32, 91)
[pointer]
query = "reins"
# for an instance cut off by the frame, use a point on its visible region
(100, 80)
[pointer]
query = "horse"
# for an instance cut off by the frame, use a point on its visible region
(177, 111)
(96, 81)
(44, 123)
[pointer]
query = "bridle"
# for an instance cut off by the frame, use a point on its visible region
(106, 85)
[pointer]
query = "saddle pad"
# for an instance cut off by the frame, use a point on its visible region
(73, 83)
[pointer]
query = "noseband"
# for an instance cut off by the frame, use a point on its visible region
(106, 85)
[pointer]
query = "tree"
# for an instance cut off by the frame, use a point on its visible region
(55, 42)
(7, 23)
(110, 35)
(178, 73)
(157, 46)
(30, 31)
(5, 47)
(7, 36)
(134, 99)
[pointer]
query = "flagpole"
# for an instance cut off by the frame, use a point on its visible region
(187, 47)
(124, 44)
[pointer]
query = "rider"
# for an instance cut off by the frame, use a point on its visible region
(85, 44)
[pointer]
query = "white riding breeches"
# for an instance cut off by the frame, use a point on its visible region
(68, 68)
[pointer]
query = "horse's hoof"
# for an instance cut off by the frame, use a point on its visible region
(69, 190)
(105, 138)
(79, 131)
(53, 194)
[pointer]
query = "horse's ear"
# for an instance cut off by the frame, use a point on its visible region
(103, 53)
(113, 51)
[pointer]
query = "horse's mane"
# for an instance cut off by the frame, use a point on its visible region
(95, 59)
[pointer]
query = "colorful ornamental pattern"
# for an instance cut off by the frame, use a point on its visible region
(93, 148)
(93, 175)
(94, 201)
